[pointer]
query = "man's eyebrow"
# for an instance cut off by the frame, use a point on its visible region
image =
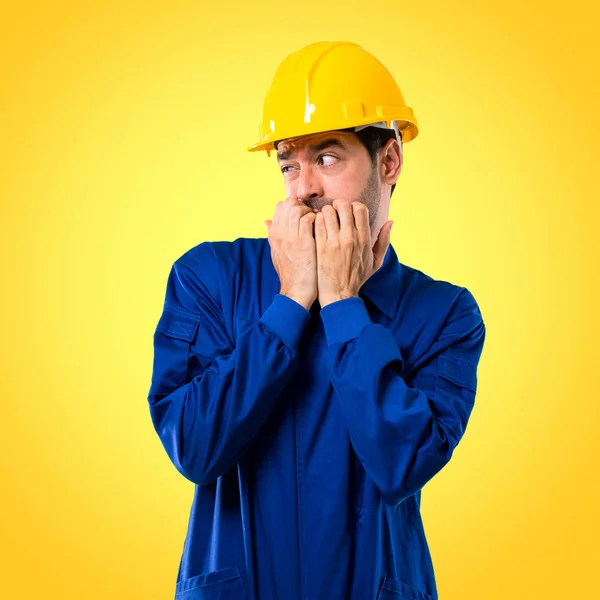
(314, 149)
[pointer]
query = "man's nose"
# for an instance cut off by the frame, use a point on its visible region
(309, 184)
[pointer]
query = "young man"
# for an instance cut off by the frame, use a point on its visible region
(310, 384)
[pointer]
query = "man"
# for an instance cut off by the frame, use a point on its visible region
(310, 384)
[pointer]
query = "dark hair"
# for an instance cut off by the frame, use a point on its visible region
(373, 139)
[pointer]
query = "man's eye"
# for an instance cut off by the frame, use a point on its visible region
(284, 169)
(328, 156)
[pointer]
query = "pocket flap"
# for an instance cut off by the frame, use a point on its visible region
(178, 324)
(222, 584)
(458, 371)
(395, 589)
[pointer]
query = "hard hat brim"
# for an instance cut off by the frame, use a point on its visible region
(408, 129)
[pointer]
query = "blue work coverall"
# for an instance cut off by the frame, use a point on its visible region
(309, 434)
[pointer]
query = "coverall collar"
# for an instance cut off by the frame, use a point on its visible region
(383, 287)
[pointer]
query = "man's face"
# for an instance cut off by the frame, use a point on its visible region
(321, 167)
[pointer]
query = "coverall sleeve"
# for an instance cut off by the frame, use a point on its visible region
(403, 431)
(208, 399)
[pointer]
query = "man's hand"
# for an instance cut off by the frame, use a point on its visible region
(346, 257)
(293, 250)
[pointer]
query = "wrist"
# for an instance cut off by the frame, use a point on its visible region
(302, 299)
(329, 299)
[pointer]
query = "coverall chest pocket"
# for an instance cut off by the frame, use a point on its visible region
(223, 584)
(173, 338)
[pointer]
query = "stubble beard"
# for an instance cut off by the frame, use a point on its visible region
(370, 196)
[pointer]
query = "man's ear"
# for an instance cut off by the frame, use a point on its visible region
(391, 162)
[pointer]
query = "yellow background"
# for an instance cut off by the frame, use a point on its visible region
(123, 144)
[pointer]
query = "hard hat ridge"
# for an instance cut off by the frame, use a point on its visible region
(329, 86)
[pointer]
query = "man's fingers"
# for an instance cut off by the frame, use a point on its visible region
(277, 216)
(361, 220)
(332, 225)
(289, 203)
(297, 211)
(381, 245)
(306, 224)
(320, 231)
(346, 216)
(282, 216)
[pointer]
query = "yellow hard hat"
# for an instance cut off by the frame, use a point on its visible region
(327, 86)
